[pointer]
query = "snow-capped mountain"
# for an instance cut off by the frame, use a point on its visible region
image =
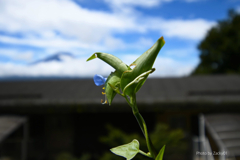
(59, 57)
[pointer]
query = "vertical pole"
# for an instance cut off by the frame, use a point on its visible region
(202, 135)
(195, 141)
(25, 140)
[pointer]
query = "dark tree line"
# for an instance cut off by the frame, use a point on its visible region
(220, 49)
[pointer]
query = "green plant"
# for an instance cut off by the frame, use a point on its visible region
(160, 135)
(126, 82)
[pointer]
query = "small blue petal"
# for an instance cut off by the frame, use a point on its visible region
(99, 80)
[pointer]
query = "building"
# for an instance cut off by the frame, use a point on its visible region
(64, 114)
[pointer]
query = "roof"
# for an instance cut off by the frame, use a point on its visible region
(194, 89)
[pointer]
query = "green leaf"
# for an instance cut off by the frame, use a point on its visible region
(111, 60)
(114, 80)
(128, 150)
(142, 64)
(92, 57)
(160, 154)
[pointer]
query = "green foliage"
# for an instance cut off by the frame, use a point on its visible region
(113, 80)
(111, 60)
(130, 81)
(220, 50)
(115, 77)
(127, 150)
(127, 79)
(160, 154)
(161, 135)
(142, 64)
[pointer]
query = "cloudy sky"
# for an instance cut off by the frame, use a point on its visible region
(31, 30)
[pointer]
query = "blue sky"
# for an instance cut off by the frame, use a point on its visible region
(34, 29)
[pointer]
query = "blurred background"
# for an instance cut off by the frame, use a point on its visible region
(50, 107)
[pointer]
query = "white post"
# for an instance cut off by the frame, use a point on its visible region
(202, 136)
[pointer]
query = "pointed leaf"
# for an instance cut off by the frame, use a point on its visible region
(116, 89)
(111, 60)
(128, 150)
(143, 64)
(160, 154)
(114, 80)
(92, 57)
(150, 54)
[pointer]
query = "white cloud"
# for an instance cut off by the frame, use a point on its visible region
(62, 25)
(65, 68)
(165, 67)
(128, 5)
(194, 29)
(17, 54)
(39, 21)
(168, 67)
(141, 3)
(180, 53)
(56, 42)
(187, 29)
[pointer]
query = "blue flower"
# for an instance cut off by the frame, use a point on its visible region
(99, 80)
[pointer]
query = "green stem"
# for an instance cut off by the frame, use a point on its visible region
(145, 154)
(143, 126)
(128, 101)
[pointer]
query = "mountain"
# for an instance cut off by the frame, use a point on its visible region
(59, 57)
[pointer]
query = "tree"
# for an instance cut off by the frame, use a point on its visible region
(220, 50)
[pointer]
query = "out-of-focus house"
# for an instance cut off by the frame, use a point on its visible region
(66, 114)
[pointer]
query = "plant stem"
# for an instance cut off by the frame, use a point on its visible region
(145, 154)
(143, 126)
